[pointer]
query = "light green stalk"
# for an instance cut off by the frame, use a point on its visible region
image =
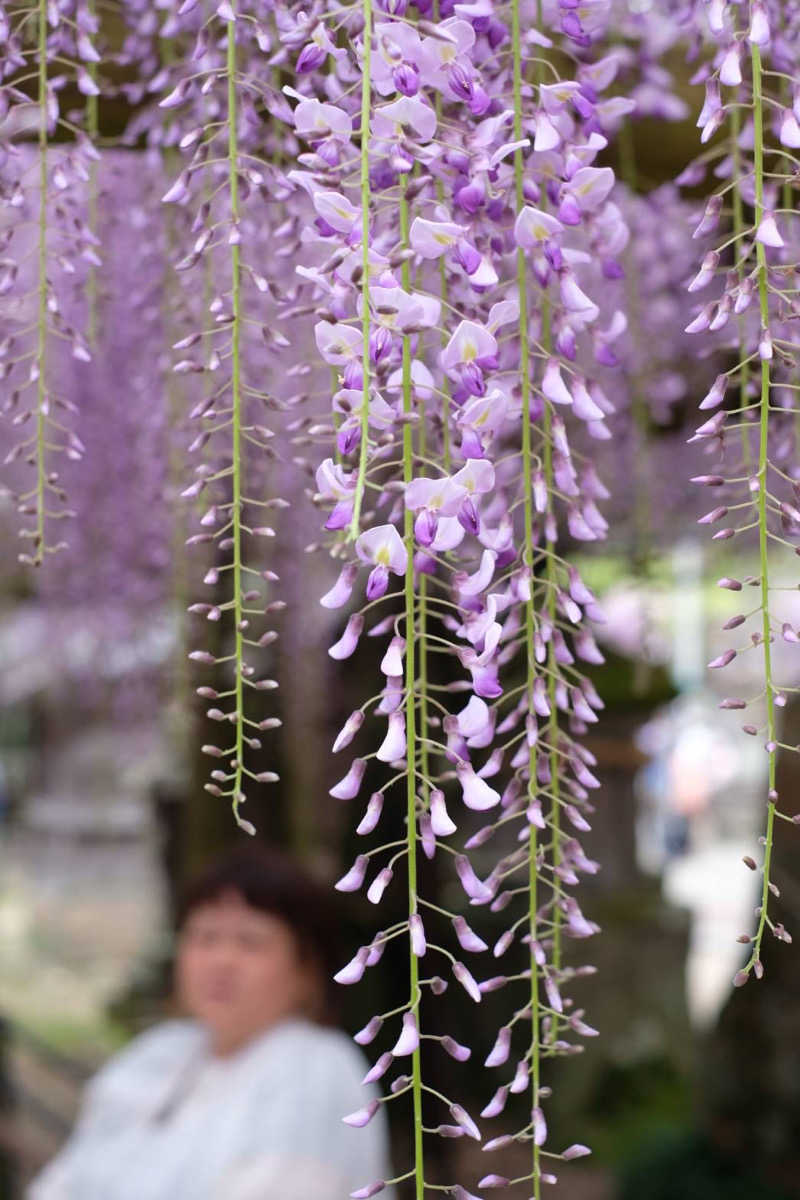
(550, 603)
(758, 159)
(552, 723)
(422, 609)
(422, 600)
(786, 194)
(411, 718)
(525, 376)
(41, 343)
(366, 99)
(236, 419)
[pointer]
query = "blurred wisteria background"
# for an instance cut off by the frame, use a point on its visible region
(269, 385)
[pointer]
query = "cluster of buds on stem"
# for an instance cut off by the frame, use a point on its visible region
(47, 246)
(459, 224)
(227, 177)
(749, 426)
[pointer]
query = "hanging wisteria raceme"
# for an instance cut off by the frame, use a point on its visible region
(751, 432)
(548, 792)
(452, 470)
(218, 98)
(399, 271)
(47, 244)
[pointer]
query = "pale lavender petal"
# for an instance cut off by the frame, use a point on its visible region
(392, 662)
(348, 730)
(354, 878)
(477, 793)
(371, 1189)
(500, 1050)
(393, 746)
(441, 823)
(467, 981)
(362, 1116)
(468, 939)
(473, 719)
(455, 1049)
(349, 640)
(354, 970)
(553, 384)
(372, 815)
(348, 786)
(463, 1118)
(342, 589)
(496, 1104)
(380, 1068)
(369, 1032)
(417, 933)
(379, 885)
(520, 1080)
(470, 882)
(408, 1040)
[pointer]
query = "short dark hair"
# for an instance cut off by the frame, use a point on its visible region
(273, 883)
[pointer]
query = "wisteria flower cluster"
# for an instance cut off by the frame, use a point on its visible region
(47, 245)
(391, 259)
(454, 234)
(746, 284)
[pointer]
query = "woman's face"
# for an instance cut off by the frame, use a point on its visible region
(238, 971)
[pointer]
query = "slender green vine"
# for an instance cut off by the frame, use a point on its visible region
(411, 720)
(763, 466)
(236, 430)
(525, 379)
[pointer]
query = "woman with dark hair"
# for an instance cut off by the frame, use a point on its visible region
(243, 1098)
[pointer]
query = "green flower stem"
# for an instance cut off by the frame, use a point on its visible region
(525, 378)
(236, 417)
(551, 584)
(758, 158)
(552, 724)
(422, 619)
(411, 717)
(366, 98)
(786, 186)
(41, 343)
